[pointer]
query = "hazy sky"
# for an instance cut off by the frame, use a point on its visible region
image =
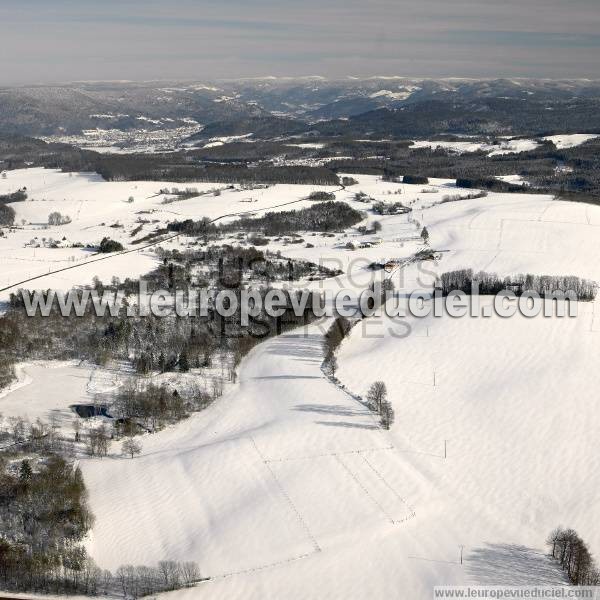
(60, 40)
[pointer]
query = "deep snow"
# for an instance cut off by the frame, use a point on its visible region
(286, 487)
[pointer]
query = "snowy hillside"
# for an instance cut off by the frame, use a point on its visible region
(287, 487)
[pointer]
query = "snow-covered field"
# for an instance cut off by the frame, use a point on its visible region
(507, 146)
(504, 147)
(569, 141)
(101, 209)
(287, 488)
(46, 390)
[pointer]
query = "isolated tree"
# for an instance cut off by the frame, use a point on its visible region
(425, 235)
(387, 285)
(207, 357)
(107, 246)
(216, 388)
(25, 472)
(7, 215)
(331, 365)
(131, 447)
(386, 412)
(17, 429)
(376, 395)
(102, 440)
(184, 363)
(97, 441)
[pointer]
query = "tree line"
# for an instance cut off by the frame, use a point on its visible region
(177, 167)
(377, 400)
(574, 557)
(466, 280)
(325, 216)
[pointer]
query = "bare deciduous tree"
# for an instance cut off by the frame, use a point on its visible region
(386, 412)
(376, 395)
(574, 556)
(190, 572)
(131, 447)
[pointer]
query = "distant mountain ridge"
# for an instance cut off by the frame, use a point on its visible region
(278, 106)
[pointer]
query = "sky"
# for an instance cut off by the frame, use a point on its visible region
(46, 41)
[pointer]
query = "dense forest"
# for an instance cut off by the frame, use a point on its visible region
(153, 344)
(18, 152)
(569, 173)
(44, 517)
(43, 520)
(572, 173)
(477, 116)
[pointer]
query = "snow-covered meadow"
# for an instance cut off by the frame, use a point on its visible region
(123, 211)
(286, 486)
(506, 145)
(571, 140)
(503, 147)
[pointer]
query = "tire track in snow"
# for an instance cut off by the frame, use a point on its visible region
(365, 490)
(362, 453)
(327, 454)
(278, 563)
(291, 504)
(412, 514)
